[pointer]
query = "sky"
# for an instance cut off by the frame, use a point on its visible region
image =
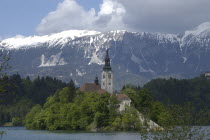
(41, 17)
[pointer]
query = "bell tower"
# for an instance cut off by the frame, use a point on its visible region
(107, 75)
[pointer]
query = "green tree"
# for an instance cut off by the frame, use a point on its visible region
(157, 109)
(181, 123)
(141, 99)
(30, 120)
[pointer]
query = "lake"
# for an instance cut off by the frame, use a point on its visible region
(20, 133)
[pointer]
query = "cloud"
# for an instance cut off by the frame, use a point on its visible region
(171, 16)
(70, 15)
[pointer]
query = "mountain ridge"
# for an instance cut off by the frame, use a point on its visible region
(136, 57)
(21, 41)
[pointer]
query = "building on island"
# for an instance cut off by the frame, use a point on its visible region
(92, 87)
(124, 101)
(207, 75)
(107, 85)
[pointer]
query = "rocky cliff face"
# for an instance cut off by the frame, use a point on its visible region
(135, 57)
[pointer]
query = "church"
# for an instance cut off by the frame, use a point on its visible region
(107, 85)
(106, 80)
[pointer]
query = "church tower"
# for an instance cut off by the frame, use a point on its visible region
(107, 75)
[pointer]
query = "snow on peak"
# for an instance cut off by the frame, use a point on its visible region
(201, 31)
(205, 27)
(118, 31)
(53, 39)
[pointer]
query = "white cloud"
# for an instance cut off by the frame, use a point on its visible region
(172, 16)
(70, 15)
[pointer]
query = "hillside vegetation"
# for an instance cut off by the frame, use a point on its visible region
(174, 91)
(57, 105)
(19, 95)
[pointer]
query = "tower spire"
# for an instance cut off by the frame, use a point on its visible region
(107, 53)
(107, 62)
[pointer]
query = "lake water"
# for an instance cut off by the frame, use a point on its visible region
(20, 133)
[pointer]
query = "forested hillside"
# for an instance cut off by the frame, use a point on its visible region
(20, 94)
(174, 91)
(71, 109)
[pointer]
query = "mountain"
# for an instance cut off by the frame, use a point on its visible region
(136, 57)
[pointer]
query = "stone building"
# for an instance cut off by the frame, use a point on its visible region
(106, 80)
(107, 85)
(207, 75)
(124, 101)
(107, 75)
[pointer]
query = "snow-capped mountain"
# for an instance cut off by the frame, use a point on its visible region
(135, 57)
(21, 42)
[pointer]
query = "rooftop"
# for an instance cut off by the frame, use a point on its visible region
(121, 97)
(91, 87)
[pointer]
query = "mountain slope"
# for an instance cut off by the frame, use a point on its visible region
(135, 57)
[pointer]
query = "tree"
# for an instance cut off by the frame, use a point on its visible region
(4, 58)
(141, 99)
(30, 121)
(72, 90)
(181, 123)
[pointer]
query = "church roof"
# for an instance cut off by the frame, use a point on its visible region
(121, 97)
(101, 91)
(91, 87)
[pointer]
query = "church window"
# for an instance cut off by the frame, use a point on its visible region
(109, 76)
(103, 76)
(109, 83)
(103, 83)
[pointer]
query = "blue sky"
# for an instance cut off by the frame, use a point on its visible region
(23, 16)
(40, 17)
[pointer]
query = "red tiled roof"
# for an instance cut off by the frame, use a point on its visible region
(101, 91)
(91, 87)
(121, 97)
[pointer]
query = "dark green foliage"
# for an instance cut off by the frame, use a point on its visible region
(181, 123)
(15, 113)
(65, 110)
(174, 91)
(85, 111)
(170, 92)
(19, 95)
(4, 58)
(37, 90)
(141, 98)
(142, 101)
